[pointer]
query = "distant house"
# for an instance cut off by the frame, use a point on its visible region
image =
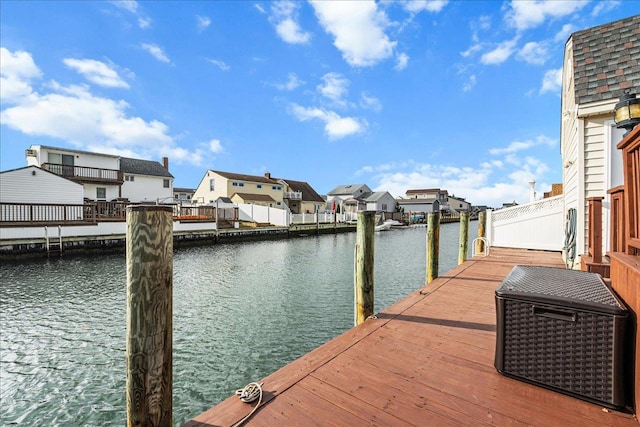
(343, 193)
(297, 196)
(146, 180)
(105, 176)
(183, 195)
(301, 197)
(424, 200)
(353, 198)
(600, 63)
(419, 205)
(32, 184)
(458, 204)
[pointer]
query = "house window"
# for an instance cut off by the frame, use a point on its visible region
(129, 178)
(278, 203)
(165, 183)
(101, 193)
(276, 187)
(258, 185)
(212, 184)
(238, 184)
(384, 206)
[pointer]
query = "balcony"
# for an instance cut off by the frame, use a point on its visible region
(82, 174)
(293, 195)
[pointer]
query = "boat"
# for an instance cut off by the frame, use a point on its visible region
(386, 225)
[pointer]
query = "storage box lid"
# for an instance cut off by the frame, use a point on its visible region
(576, 288)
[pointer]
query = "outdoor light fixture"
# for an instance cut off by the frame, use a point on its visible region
(627, 112)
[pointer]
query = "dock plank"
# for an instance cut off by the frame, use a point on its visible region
(425, 360)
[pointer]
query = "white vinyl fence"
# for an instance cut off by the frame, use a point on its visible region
(536, 225)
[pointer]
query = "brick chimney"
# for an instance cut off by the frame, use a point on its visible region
(165, 162)
(267, 175)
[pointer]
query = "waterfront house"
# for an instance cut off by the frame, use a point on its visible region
(261, 190)
(458, 204)
(146, 180)
(106, 177)
(183, 195)
(301, 197)
(600, 63)
(416, 205)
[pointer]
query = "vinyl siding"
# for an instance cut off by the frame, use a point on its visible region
(22, 186)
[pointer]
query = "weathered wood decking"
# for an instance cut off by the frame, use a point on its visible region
(425, 361)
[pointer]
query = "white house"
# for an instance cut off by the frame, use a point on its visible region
(342, 193)
(380, 201)
(600, 63)
(105, 176)
(458, 204)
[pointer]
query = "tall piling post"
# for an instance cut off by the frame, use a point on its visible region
(364, 254)
(433, 245)
(482, 222)
(149, 260)
(464, 237)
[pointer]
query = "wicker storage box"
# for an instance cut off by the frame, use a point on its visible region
(564, 330)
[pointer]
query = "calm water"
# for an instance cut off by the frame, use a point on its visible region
(241, 311)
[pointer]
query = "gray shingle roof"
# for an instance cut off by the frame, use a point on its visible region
(143, 167)
(308, 193)
(353, 189)
(606, 60)
(243, 177)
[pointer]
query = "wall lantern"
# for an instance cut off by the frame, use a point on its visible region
(627, 112)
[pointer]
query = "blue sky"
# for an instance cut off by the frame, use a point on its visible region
(459, 95)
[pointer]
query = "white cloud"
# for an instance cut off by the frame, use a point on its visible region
(215, 146)
(73, 114)
(335, 87)
(402, 59)
(284, 16)
(17, 71)
(564, 33)
(128, 5)
(156, 51)
(533, 53)
(552, 81)
(525, 14)
(203, 22)
(335, 126)
(220, 64)
(499, 54)
(292, 83)
(370, 102)
(416, 6)
(516, 146)
(358, 30)
(260, 8)
(471, 82)
(132, 6)
(96, 72)
(604, 7)
(473, 49)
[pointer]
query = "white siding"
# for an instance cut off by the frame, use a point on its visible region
(101, 161)
(91, 191)
(23, 186)
(147, 189)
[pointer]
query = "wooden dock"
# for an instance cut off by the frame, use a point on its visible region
(425, 361)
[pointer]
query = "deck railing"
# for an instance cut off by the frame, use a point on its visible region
(85, 173)
(536, 225)
(34, 214)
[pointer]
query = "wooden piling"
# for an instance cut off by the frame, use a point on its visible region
(149, 259)
(482, 221)
(364, 266)
(433, 245)
(464, 237)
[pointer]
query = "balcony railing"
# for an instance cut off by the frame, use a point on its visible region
(85, 173)
(293, 195)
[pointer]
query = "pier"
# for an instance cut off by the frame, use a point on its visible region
(426, 360)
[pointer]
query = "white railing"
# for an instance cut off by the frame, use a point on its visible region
(312, 218)
(536, 225)
(293, 195)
